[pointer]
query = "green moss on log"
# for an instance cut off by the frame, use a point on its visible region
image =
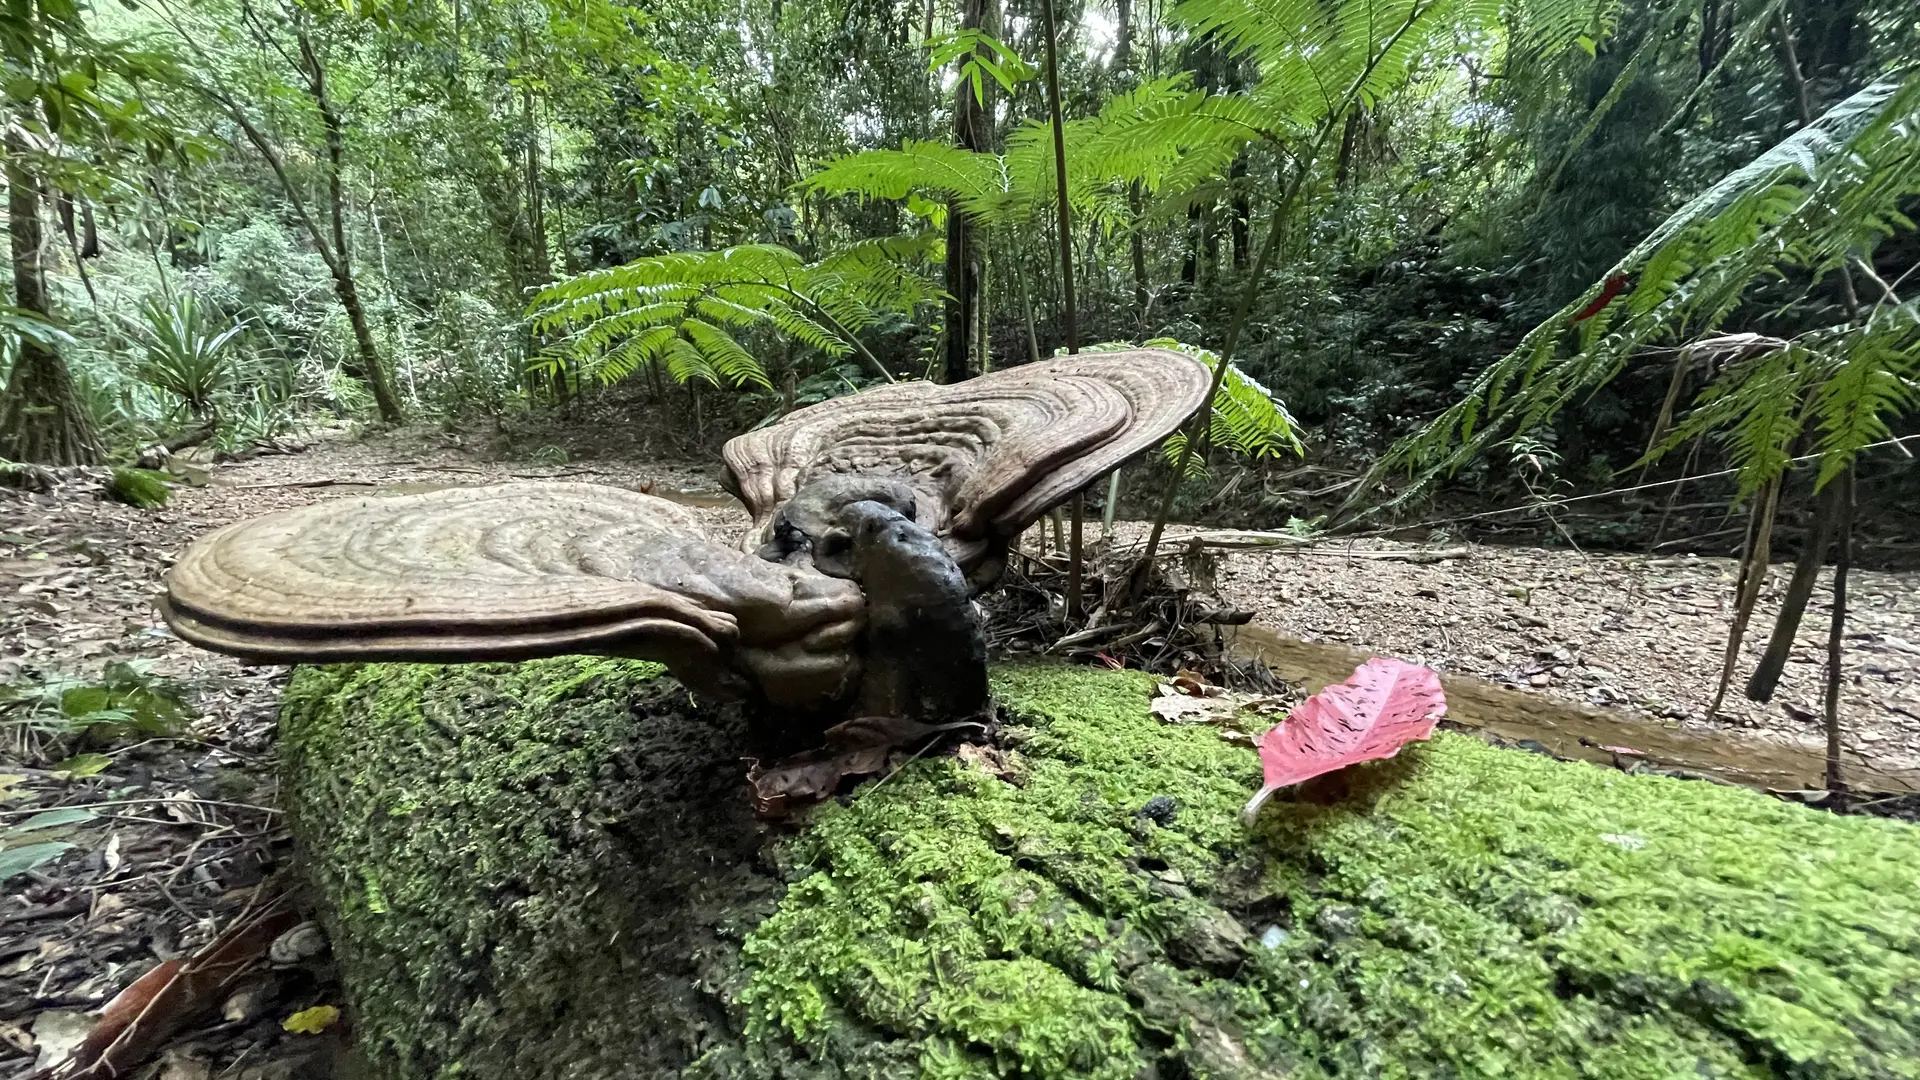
(1463, 911)
(521, 866)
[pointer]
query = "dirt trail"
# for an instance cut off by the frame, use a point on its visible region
(157, 879)
(1623, 631)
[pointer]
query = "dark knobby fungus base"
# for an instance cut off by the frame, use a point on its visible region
(549, 870)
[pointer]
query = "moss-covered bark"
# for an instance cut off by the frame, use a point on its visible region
(547, 870)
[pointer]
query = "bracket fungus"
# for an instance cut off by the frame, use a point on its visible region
(875, 517)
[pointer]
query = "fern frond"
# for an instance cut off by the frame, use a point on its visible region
(724, 356)
(978, 181)
(1247, 419)
(1817, 198)
(677, 309)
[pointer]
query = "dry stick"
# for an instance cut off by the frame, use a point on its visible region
(1660, 530)
(1113, 500)
(138, 802)
(1753, 572)
(1681, 364)
(1793, 605)
(1836, 782)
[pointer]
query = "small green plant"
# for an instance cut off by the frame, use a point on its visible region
(143, 488)
(986, 57)
(61, 712)
(189, 355)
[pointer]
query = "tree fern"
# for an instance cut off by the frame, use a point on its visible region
(684, 312)
(1164, 135)
(1813, 203)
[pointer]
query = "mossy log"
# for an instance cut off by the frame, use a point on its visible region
(550, 870)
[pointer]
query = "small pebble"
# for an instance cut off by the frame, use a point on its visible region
(1160, 810)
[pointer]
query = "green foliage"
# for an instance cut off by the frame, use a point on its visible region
(189, 354)
(685, 313)
(17, 325)
(126, 701)
(1807, 207)
(17, 860)
(1247, 419)
(986, 57)
(1319, 58)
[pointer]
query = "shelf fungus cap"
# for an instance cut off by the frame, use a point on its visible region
(515, 571)
(984, 458)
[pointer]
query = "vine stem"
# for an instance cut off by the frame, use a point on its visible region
(1202, 417)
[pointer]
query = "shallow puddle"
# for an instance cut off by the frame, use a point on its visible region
(1583, 732)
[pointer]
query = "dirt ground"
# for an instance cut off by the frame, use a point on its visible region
(186, 827)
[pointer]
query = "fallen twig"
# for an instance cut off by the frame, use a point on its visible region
(28, 812)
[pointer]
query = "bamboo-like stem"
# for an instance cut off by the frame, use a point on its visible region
(1303, 165)
(1026, 306)
(1836, 780)
(1063, 214)
(1061, 211)
(1073, 556)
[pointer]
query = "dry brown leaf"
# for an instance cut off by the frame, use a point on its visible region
(147, 1013)
(1180, 709)
(1190, 682)
(987, 759)
(856, 747)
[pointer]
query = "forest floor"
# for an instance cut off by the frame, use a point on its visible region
(186, 827)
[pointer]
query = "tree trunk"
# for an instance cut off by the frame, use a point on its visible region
(1069, 305)
(1136, 242)
(964, 264)
(341, 264)
(549, 870)
(539, 267)
(42, 420)
(1349, 142)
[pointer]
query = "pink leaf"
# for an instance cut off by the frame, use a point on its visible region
(1382, 706)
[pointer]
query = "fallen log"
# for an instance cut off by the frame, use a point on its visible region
(1252, 540)
(550, 869)
(158, 454)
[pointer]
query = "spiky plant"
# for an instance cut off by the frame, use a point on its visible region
(189, 352)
